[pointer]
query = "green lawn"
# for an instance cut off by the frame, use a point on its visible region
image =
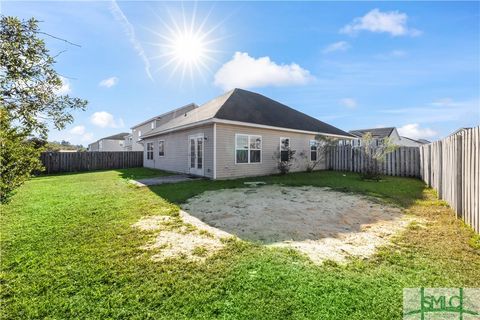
(69, 251)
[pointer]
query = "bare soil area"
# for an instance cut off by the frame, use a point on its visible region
(319, 222)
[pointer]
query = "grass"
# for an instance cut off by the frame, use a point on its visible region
(69, 251)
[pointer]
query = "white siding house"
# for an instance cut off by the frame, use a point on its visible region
(238, 134)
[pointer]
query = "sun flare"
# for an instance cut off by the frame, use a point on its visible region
(186, 47)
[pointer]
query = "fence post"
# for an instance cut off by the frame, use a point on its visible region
(459, 182)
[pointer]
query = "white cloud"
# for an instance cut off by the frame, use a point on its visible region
(246, 72)
(348, 102)
(104, 119)
(414, 131)
(130, 33)
(78, 130)
(337, 46)
(449, 102)
(109, 82)
(393, 22)
(65, 88)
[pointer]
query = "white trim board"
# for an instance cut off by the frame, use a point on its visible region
(243, 124)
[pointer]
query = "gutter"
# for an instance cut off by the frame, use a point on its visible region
(244, 124)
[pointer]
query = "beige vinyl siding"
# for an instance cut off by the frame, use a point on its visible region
(226, 166)
(176, 157)
(106, 145)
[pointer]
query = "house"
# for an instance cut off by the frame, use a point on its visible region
(379, 134)
(409, 142)
(111, 143)
(238, 134)
(132, 140)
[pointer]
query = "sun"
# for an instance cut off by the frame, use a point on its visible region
(186, 46)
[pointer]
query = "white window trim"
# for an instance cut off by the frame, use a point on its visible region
(248, 141)
(153, 151)
(280, 145)
(282, 138)
(159, 148)
(310, 149)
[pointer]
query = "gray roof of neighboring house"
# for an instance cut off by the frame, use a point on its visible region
(249, 107)
(376, 132)
(118, 136)
(422, 141)
(187, 107)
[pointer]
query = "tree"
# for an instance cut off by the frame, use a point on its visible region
(375, 154)
(29, 99)
(318, 151)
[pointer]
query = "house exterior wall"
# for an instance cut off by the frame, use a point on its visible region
(145, 128)
(138, 132)
(176, 156)
(93, 146)
(225, 155)
(106, 145)
(409, 143)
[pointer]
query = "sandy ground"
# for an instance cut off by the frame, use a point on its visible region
(194, 240)
(320, 223)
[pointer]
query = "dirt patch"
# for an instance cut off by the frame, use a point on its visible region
(191, 238)
(319, 222)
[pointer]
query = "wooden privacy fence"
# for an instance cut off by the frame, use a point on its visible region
(55, 162)
(404, 161)
(452, 167)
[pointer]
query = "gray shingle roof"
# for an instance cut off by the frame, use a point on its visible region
(376, 132)
(249, 107)
(118, 136)
(422, 141)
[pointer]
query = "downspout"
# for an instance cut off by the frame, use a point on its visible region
(214, 151)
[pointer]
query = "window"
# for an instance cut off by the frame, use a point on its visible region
(100, 144)
(284, 148)
(153, 124)
(150, 151)
(248, 148)
(199, 152)
(313, 150)
(161, 148)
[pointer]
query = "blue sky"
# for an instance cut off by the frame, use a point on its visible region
(413, 65)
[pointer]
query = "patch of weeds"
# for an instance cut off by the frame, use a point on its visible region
(200, 251)
(474, 242)
(206, 233)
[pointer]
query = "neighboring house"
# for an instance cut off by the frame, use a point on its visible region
(408, 142)
(238, 134)
(380, 134)
(133, 140)
(111, 143)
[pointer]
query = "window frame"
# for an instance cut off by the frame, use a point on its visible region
(149, 151)
(163, 144)
(280, 146)
(248, 148)
(316, 143)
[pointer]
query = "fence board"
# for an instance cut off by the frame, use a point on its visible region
(55, 162)
(452, 167)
